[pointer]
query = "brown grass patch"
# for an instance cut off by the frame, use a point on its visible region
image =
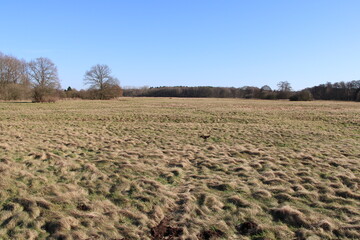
(137, 169)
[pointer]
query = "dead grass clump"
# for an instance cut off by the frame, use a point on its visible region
(350, 182)
(27, 234)
(268, 174)
(157, 214)
(29, 205)
(239, 202)
(40, 156)
(311, 196)
(309, 180)
(289, 216)
(79, 235)
(262, 194)
(274, 181)
(298, 187)
(352, 232)
(251, 152)
(326, 225)
(12, 207)
(5, 146)
(280, 189)
(304, 234)
(324, 189)
(347, 194)
(60, 225)
(177, 164)
(281, 175)
(43, 203)
(66, 193)
(120, 186)
(211, 202)
(16, 219)
(136, 218)
(256, 166)
(148, 184)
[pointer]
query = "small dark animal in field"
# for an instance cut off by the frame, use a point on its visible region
(205, 137)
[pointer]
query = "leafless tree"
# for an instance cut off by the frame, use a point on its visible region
(12, 70)
(285, 89)
(43, 73)
(14, 82)
(100, 79)
(99, 76)
(284, 86)
(44, 77)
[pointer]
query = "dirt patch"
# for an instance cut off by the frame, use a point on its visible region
(210, 234)
(248, 228)
(164, 231)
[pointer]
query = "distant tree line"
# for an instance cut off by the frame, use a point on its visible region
(347, 91)
(38, 80)
(213, 92)
(344, 91)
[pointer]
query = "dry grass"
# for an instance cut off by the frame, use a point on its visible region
(138, 168)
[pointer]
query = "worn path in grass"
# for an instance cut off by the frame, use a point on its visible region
(137, 168)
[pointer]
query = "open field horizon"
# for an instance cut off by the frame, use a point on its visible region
(171, 168)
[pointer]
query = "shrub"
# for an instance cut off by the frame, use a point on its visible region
(282, 95)
(44, 94)
(304, 95)
(14, 92)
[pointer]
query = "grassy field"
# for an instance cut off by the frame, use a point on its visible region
(137, 168)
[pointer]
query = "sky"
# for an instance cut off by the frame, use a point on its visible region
(228, 43)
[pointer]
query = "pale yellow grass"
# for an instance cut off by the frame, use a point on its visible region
(125, 169)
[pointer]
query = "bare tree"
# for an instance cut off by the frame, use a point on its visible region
(12, 70)
(284, 86)
(284, 90)
(43, 73)
(14, 82)
(99, 78)
(44, 77)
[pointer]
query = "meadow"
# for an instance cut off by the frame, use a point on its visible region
(162, 168)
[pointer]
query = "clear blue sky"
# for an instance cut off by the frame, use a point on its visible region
(189, 42)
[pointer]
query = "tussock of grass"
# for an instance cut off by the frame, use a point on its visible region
(137, 169)
(290, 216)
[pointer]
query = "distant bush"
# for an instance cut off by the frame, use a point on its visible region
(269, 95)
(112, 91)
(14, 91)
(108, 92)
(283, 95)
(358, 97)
(44, 94)
(304, 95)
